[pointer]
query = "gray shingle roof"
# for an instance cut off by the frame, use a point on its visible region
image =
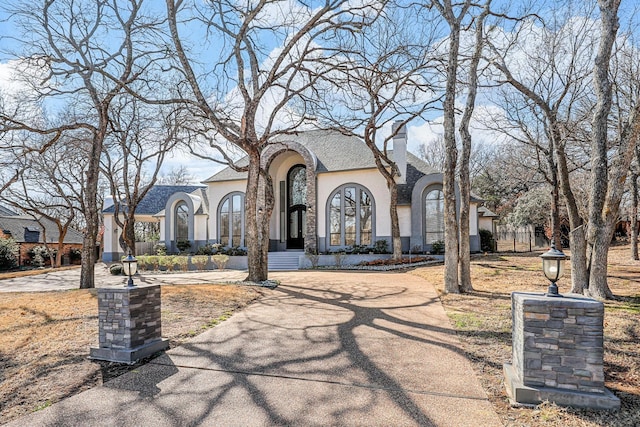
(23, 228)
(156, 199)
(4, 211)
(334, 151)
(338, 152)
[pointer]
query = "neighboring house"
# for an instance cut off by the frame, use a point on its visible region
(487, 220)
(28, 233)
(328, 195)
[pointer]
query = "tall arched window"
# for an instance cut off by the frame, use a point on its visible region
(433, 215)
(181, 222)
(231, 220)
(296, 206)
(350, 214)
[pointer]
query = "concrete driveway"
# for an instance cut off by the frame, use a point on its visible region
(60, 280)
(324, 348)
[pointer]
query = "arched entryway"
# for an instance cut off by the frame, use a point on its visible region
(296, 206)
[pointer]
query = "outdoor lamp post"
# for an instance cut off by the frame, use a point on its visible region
(130, 268)
(553, 268)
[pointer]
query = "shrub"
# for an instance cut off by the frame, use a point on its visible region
(200, 261)
(339, 258)
(314, 258)
(40, 255)
(167, 261)
(437, 247)
(381, 247)
(8, 254)
(234, 251)
(182, 261)
(116, 269)
(142, 262)
(183, 245)
(487, 244)
(160, 249)
(220, 260)
(75, 254)
(154, 261)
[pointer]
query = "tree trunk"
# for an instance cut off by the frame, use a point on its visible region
(598, 235)
(598, 287)
(129, 234)
(267, 194)
(87, 278)
(465, 200)
(395, 223)
(255, 247)
(634, 216)
(451, 155)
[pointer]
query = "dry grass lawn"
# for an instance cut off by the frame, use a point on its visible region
(45, 338)
(483, 322)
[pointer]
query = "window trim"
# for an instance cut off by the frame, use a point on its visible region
(230, 197)
(425, 193)
(340, 189)
(179, 204)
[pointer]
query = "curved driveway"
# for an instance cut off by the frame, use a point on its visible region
(323, 348)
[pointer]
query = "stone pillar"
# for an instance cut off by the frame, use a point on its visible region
(129, 324)
(558, 352)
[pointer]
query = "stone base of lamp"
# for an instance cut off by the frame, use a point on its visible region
(522, 395)
(129, 324)
(558, 352)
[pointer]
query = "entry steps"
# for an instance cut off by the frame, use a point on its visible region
(283, 261)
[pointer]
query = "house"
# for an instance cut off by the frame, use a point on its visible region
(487, 220)
(328, 193)
(29, 232)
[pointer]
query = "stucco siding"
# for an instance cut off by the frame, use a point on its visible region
(217, 191)
(370, 179)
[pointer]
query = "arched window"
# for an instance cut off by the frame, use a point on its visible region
(181, 222)
(350, 214)
(433, 215)
(231, 220)
(296, 206)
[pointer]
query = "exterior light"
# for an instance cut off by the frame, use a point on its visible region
(553, 268)
(130, 265)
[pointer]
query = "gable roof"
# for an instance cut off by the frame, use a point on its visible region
(156, 199)
(336, 152)
(25, 229)
(333, 150)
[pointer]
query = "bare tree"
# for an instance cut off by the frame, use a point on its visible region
(457, 274)
(139, 139)
(49, 188)
(88, 52)
(552, 96)
(248, 88)
(382, 78)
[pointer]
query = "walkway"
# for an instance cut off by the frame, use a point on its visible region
(323, 348)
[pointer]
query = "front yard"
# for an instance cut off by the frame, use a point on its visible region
(483, 322)
(45, 339)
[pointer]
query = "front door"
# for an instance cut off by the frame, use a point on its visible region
(297, 226)
(296, 206)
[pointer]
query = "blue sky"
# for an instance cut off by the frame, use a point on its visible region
(419, 133)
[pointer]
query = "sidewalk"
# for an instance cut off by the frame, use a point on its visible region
(324, 348)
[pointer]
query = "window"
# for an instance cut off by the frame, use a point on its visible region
(434, 215)
(181, 222)
(350, 216)
(231, 220)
